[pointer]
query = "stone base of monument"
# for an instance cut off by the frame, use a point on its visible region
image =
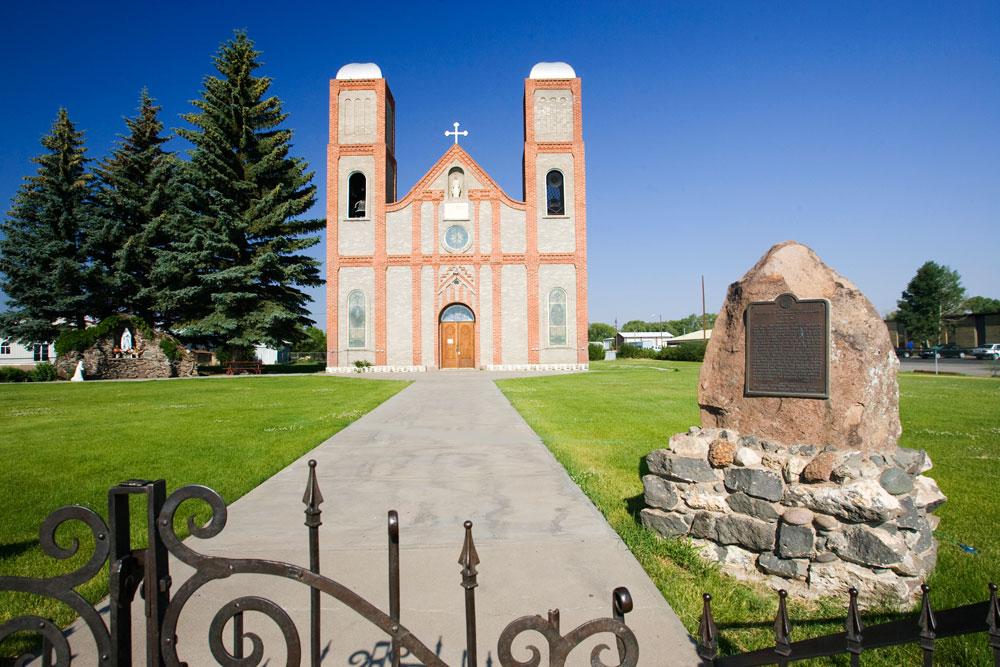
(811, 520)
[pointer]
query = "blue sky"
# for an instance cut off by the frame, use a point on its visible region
(869, 131)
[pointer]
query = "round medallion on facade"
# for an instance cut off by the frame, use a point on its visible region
(456, 238)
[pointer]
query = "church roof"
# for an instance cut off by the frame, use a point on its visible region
(555, 70)
(456, 154)
(354, 71)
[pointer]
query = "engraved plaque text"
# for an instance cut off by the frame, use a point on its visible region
(788, 348)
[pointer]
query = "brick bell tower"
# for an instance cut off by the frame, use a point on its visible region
(361, 179)
(555, 193)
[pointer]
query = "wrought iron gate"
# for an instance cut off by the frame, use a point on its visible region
(147, 570)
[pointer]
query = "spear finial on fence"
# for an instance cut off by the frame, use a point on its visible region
(469, 559)
(993, 623)
(782, 627)
(928, 625)
(708, 634)
(312, 498)
(854, 627)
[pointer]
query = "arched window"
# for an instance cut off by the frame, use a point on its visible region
(356, 196)
(557, 316)
(456, 312)
(356, 318)
(555, 193)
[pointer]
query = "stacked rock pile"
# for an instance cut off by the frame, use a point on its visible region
(810, 519)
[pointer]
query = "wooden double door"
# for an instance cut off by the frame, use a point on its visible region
(458, 344)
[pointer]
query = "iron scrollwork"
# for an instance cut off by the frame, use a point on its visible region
(561, 646)
(63, 587)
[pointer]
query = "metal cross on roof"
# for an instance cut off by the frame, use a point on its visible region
(456, 133)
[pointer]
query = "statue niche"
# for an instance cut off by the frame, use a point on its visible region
(456, 183)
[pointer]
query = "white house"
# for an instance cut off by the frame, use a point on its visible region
(13, 353)
(270, 356)
(693, 337)
(651, 340)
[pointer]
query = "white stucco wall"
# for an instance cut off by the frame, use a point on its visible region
(399, 316)
(352, 278)
(428, 318)
(551, 276)
(356, 236)
(553, 113)
(485, 227)
(356, 124)
(427, 228)
(514, 306)
(555, 233)
(399, 231)
(511, 230)
(485, 315)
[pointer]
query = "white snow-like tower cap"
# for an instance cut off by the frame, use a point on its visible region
(354, 71)
(556, 70)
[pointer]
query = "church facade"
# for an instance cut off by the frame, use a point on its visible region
(456, 273)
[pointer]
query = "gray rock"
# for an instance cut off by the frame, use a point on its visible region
(911, 518)
(896, 481)
(754, 482)
(826, 557)
(826, 523)
(928, 496)
(878, 460)
(867, 546)
(760, 509)
(737, 529)
(659, 492)
(789, 569)
(850, 468)
(921, 539)
(797, 516)
(769, 446)
(668, 524)
(857, 501)
(680, 468)
(912, 461)
(795, 541)
(747, 457)
(749, 441)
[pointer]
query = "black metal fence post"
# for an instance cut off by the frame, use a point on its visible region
(129, 568)
(469, 559)
(928, 626)
(393, 528)
(708, 634)
(621, 604)
(854, 628)
(993, 624)
(312, 499)
(782, 630)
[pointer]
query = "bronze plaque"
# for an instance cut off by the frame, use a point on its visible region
(788, 348)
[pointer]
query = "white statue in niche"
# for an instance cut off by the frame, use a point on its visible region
(126, 344)
(78, 375)
(456, 185)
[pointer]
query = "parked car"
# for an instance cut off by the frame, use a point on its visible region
(904, 352)
(988, 351)
(945, 352)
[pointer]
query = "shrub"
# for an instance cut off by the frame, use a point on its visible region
(595, 352)
(684, 352)
(361, 364)
(44, 372)
(11, 374)
(628, 351)
(171, 350)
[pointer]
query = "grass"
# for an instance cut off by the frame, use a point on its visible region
(600, 425)
(64, 444)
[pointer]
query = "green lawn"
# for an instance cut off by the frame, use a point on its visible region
(601, 424)
(64, 444)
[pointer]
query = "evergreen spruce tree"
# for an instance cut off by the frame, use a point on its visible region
(136, 196)
(935, 291)
(43, 265)
(243, 237)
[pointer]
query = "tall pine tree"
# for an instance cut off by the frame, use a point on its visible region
(137, 193)
(43, 265)
(245, 240)
(935, 291)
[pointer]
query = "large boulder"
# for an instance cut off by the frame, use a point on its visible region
(862, 410)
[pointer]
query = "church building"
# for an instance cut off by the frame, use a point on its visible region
(456, 273)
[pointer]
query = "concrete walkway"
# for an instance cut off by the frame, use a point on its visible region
(448, 448)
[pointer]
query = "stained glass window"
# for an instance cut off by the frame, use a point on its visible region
(356, 319)
(457, 313)
(557, 317)
(554, 193)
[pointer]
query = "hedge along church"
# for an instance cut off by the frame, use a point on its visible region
(456, 273)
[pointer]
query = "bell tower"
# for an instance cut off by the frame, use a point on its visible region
(361, 180)
(556, 216)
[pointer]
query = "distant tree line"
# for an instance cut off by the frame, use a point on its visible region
(209, 247)
(601, 330)
(933, 294)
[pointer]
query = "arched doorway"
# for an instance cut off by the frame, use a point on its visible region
(457, 337)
